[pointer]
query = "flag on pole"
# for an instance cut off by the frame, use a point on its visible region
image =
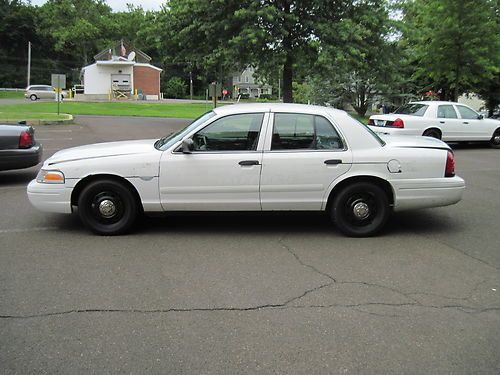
(123, 50)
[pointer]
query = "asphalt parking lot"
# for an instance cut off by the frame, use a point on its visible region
(230, 294)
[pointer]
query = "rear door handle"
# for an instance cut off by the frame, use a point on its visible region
(333, 161)
(249, 162)
(465, 122)
(441, 122)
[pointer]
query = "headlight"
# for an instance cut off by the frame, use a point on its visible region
(50, 177)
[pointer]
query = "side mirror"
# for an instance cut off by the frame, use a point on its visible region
(187, 145)
(480, 117)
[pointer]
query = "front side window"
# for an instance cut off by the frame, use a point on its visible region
(302, 131)
(230, 133)
(467, 113)
(446, 111)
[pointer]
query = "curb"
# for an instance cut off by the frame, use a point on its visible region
(68, 120)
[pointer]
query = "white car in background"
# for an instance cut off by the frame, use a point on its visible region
(449, 121)
(252, 157)
(36, 92)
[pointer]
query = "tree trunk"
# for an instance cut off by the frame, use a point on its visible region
(287, 80)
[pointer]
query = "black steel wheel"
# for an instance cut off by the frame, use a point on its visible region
(495, 139)
(360, 209)
(434, 133)
(107, 207)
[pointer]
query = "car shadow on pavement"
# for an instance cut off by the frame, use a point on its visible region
(17, 176)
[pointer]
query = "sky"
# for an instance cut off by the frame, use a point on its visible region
(120, 5)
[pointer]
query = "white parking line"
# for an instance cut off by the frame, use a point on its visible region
(54, 131)
(21, 230)
(54, 139)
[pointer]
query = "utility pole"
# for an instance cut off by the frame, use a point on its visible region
(29, 62)
(190, 84)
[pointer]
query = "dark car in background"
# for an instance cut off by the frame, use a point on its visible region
(18, 148)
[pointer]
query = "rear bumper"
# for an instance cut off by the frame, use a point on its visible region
(50, 197)
(394, 131)
(436, 192)
(20, 158)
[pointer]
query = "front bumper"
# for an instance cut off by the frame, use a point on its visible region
(426, 193)
(50, 197)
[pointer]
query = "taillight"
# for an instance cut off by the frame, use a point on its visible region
(450, 165)
(25, 139)
(371, 122)
(398, 123)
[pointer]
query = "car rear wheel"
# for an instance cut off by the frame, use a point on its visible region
(360, 209)
(107, 207)
(33, 97)
(495, 139)
(432, 133)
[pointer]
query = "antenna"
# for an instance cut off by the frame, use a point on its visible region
(131, 56)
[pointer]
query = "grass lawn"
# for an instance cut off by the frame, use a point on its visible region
(175, 110)
(11, 94)
(43, 110)
(17, 116)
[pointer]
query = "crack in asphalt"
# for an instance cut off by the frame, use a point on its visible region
(286, 304)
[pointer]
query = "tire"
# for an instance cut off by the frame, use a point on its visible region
(360, 209)
(107, 207)
(432, 133)
(33, 97)
(495, 139)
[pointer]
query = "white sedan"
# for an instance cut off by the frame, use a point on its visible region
(253, 157)
(449, 121)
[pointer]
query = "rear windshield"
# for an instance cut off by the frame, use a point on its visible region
(412, 109)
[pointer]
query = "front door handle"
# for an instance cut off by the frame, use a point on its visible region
(441, 122)
(333, 161)
(465, 122)
(249, 162)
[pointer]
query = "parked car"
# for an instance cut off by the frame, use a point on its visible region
(18, 148)
(252, 157)
(35, 92)
(449, 121)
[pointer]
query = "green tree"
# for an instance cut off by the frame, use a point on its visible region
(221, 36)
(176, 88)
(453, 44)
(79, 26)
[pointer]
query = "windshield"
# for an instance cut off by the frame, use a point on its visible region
(414, 109)
(367, 128)
(169, 140)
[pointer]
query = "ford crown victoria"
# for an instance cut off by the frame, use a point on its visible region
(252, 157)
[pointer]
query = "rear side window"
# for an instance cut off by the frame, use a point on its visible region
(302, 131)
(467, 113)
(414, 109)
(446, 111)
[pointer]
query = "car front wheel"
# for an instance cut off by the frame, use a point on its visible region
(495, 139)
(107, 207)
(360, 209)
(33, 97)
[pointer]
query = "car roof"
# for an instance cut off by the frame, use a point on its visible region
(427, 102)
(273, 107)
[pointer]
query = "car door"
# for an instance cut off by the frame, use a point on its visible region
(474, 129)
(222, 171)
(303, 155)
(450, 124)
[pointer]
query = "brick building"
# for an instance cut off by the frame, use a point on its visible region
(119, 72)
